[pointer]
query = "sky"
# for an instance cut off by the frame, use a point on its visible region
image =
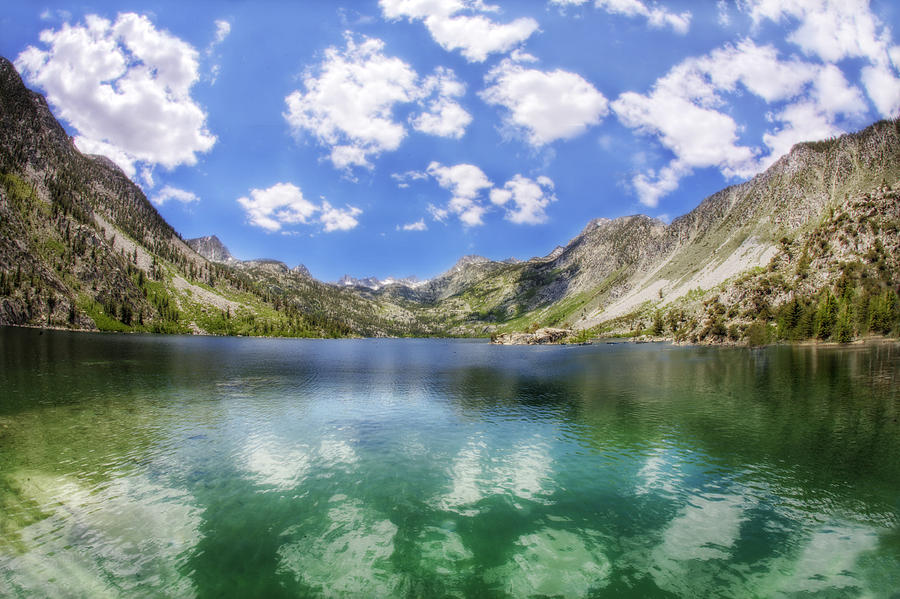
(390, 137)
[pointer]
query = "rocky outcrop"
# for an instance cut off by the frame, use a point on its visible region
(539, 337)
(211, 248)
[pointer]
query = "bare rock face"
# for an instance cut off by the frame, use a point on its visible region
(211, 248)
(539, 337)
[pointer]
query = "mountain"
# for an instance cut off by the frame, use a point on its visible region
(636, 274)
(212, 249)
(808, 248)
(374, 283)
(81, 247)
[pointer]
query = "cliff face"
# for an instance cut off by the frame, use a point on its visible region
(212, 249)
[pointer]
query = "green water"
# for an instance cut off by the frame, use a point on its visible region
(147, 466)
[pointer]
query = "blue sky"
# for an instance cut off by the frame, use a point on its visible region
(391, 137)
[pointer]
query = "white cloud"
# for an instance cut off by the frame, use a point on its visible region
(834, 95)
(123, 160)
(349, 101)
(437, 213)
(837, 29)
(883, 88)
(284, 204)
(444, 117)
(173, 193)
(656, 15)
(830, 29)
(419, 225)
(524, 200)
(475, 35)
(466, 183)
(125, 87)
(651, 186)
(348, 104)
(758, 68)
(803, 121)
(147, 176)
(403, 179)
(724, 17)
(463, 180)
(529, 199)
(281, 204)
(684, 111)
(339, 219)
(223, 28)
(546, 105)
(698, 136)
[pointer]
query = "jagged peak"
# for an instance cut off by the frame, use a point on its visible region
(470, 259)
(301, 270)
(212, 248)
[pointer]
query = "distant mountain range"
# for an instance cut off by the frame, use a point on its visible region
(809, 248)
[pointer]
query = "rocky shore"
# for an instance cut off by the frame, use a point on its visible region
(538, 337)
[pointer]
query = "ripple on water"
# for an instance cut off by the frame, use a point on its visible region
(554, 563)
(350, 558)
(128, 536)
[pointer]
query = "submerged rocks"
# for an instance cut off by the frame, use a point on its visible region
(538, 337)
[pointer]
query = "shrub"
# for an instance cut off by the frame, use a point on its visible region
(757, 334)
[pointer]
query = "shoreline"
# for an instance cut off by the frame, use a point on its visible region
(860, 341)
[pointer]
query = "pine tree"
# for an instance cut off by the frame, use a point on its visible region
(828, 311)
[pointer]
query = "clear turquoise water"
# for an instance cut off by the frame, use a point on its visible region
(220, 467)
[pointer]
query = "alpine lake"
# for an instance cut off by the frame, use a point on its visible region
(178, 466)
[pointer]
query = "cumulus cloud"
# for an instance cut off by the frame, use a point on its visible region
(833, 30)
(883, 88)
(124, 86)
(339, 219)
(802, 121)
(419, 225)
(444, 116)
(466, 183)
(546, 106)
(684, 112)
(524, 200)
(462, 25)
(349, 100)
(168, 193)
(283, 204)
(463, 180)
(656, 15)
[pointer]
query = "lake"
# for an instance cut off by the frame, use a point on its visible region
(138, 465)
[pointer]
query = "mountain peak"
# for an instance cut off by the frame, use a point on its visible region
(212, 248)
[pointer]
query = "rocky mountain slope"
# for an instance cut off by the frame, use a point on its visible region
(621, 276)
(81, 247)
(212, 249)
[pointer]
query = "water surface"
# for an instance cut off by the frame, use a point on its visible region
(222, 467)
